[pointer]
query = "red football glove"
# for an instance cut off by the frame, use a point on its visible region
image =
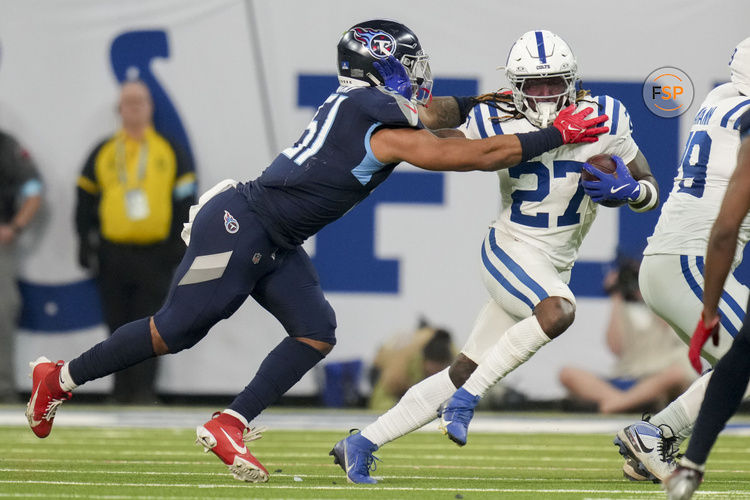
(574, 127)
(700, 336)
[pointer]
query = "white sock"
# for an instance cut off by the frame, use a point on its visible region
(237, 416)
(416, 408)
(692, 465)
(66, 381)
(517, 344)
(681, 413)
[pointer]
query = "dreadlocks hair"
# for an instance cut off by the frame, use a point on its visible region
(502, 100)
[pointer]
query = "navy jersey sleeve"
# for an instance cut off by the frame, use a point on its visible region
(388, 108)
(744, 124)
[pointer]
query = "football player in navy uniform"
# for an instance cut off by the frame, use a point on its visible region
(244, 239)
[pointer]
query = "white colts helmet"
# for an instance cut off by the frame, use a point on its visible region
(541, 54)
(739, 66)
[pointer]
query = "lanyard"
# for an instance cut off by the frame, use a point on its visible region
(121, 162)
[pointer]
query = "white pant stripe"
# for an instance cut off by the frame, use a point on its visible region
(206, 268)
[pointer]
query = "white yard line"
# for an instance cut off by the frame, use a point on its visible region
(166, 417)
(372, 488)
(329, 476)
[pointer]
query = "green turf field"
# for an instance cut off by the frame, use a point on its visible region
(123, 463)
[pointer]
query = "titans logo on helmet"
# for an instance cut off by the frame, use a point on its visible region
(378, 42)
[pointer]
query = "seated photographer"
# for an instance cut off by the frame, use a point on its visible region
(405, 360)
(652, 364)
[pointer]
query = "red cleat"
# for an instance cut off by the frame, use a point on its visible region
(46, 395)
(223, 435)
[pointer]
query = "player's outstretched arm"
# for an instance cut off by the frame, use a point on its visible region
(445, 112)
(424, 149)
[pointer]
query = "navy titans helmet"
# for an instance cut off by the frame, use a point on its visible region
(369, 41)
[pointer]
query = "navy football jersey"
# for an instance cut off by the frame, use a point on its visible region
(331, 167)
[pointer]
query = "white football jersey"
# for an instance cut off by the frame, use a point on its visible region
(707, 163)
(543, 203)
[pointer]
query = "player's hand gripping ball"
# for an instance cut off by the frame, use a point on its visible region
(607, 180)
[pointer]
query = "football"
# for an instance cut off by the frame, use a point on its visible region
(602, 162)
(606, 164)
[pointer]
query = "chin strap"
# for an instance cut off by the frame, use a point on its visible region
(546, 110)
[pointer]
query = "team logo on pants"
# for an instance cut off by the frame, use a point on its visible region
(230, 223)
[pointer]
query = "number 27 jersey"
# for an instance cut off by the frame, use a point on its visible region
(543, 202)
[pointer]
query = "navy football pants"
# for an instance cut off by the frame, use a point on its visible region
(220, 269)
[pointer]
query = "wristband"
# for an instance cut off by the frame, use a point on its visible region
(465, 105)
(647, 197)
(540, 141)
(16, 228)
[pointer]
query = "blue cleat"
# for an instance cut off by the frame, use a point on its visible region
(354, 455)
(458, 412)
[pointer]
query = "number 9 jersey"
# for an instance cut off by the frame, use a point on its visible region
(707, 163)
(543, 202)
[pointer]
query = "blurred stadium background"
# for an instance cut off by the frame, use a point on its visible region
(236, 81)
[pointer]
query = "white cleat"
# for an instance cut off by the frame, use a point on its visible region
(633, 471)
(645, 444)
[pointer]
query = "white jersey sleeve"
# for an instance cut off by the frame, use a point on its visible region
(543, 202)
(707, 163)
(484, 121)
(619, 139)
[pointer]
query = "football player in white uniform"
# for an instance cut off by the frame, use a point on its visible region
(671, 276)
(732, 372)
(529, 250)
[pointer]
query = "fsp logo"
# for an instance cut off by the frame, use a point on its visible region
(668, 92)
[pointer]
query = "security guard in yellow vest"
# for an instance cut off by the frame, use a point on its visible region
(133, 195)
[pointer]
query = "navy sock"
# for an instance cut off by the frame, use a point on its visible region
(282, 368)
(723, 396)
(128, 345)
